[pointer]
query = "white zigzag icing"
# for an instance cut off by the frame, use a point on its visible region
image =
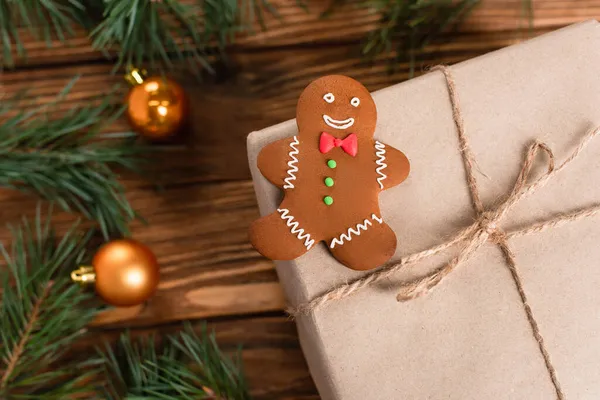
(380, 153)
(351, 231)
(292, 164)
(308, 242)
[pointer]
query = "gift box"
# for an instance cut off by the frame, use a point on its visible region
(517, 314)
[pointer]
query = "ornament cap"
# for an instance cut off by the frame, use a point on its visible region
(84, 274)
(135, 76)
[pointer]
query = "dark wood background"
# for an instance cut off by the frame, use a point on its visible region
(199, 217)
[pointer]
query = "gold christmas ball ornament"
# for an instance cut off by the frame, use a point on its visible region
(125, 273)
(157, 107)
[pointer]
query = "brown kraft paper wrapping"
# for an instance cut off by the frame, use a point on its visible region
(470, 338)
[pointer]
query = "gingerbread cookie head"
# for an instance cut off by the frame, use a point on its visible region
(338, 105)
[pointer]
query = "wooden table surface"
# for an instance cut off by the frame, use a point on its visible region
(199, 217)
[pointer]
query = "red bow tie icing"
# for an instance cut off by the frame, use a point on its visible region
(349, 144)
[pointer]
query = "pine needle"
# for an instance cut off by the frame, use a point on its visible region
(407, 26)
(67, 160)
(157, 34)
(187, 367)
(44, 19)
(41, 314)
(527, 15)
(153, 34)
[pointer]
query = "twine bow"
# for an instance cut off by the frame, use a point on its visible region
(486, 228)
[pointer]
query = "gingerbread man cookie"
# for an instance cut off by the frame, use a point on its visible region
(331, 172)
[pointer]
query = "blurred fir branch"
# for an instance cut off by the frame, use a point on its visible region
(252, 11)
(160, 32)
(41, 314)
(151, 31)
(527, 13)
(44, 19)
(220, 22)
(187, 367)
(63, 157)
(407, 26)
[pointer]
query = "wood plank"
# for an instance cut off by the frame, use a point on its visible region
(199, 234)
(348, 24)
(198, 303)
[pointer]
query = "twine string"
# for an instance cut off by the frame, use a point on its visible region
(485, 228)
(487, 225)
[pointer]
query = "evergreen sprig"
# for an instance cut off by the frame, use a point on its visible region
(158, 34)
(63, 157)
(145, 30)
(145, 33)
(161, 32)
(44, 19)
(41, 314)
(407, 26)
(186, 367)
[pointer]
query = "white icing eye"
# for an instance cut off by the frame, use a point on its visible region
(355, 101)
(329, 97)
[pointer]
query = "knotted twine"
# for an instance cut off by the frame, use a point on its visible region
(486, 228)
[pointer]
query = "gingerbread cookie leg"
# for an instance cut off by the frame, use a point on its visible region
(366, 245)
(279, 236)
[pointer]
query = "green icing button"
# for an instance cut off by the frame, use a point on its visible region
(331, 163)
(328, 200)
(329, 182)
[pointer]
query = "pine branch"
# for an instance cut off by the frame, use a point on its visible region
(45, 19)
(255, 11)
(41, 314)
(17, 351)
(164, 31)
(65, 159)
(188, 367)
(527, 15)
(220, 22)
(406, 26)
(159, 33)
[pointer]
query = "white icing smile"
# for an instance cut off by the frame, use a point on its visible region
(338, 124)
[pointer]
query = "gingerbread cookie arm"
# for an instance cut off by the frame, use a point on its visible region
(392, 166)
(278, 162)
